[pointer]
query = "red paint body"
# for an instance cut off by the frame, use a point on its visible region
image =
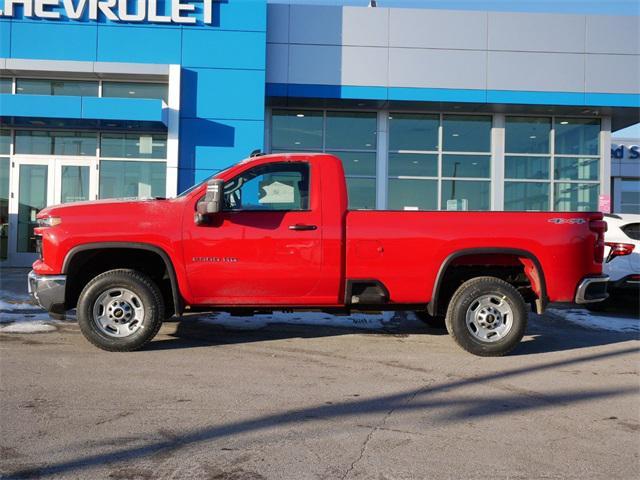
(254, 259)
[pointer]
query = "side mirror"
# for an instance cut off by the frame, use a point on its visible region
(211, 203)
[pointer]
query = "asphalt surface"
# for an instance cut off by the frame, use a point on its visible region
(303, 402)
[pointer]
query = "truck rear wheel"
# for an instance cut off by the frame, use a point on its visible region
(120, 310)
(487, 317)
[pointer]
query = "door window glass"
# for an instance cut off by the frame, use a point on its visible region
(74, 185)
(5, 141)
(4, 206)
(269, 187)
(32, 199)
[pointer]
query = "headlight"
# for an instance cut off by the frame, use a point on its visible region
(49, 221)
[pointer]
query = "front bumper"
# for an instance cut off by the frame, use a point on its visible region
(592, 289)
(48, 291)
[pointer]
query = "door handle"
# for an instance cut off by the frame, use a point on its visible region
(300, 226)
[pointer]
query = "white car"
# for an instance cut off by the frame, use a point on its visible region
(621, 258)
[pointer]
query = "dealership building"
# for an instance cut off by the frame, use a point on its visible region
(428, 109)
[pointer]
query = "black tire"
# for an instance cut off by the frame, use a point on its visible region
(146, 294)
(467, 297)
(437, 323)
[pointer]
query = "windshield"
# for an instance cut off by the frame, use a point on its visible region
(193, 187)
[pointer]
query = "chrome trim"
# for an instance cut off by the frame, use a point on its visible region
(47, 290)
(584, 284)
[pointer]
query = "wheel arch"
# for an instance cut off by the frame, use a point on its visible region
(533, 271)
(99, 246)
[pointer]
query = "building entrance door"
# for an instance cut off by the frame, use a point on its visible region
(36, 182)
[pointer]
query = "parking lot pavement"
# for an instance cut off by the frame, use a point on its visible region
(383, 399)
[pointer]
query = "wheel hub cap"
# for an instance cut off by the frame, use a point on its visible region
(489, 318)
(118, 312)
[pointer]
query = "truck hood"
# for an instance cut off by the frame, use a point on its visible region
(119, 204)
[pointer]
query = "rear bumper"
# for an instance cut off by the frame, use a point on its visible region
(629, 283)
(48, 291)
(592, 289)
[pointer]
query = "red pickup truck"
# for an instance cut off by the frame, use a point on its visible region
(274, 233)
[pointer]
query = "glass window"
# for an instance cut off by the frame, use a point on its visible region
(362, 193)
(74, 185)
(465, 195)
(534, 168)
(123, 179)
(630, 198)
(523, 196)
(4, 206)
(466, 133)
(576, 197)
(133, 145)
(527, 135)
(413, 164)
(5, 142)
(351, 130)
(134, 90)
(32, 197)
(570, 168)
(283, 186)
(410, 194)
(478, 166)
(630, 203)
(6, 85)
(408, 131)
(357, 163)
(77, 88)
(577, 136)
(296, 130)
(42, 142)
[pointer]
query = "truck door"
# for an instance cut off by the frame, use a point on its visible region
(265, 247)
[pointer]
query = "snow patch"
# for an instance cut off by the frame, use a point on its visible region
(27, 326)
(587, 319)
(23, 305)
(253, 322)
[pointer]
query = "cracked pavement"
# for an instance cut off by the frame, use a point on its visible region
(303, 402)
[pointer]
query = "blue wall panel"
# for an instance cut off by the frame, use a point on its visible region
(134, 109)
(39, 106)
(222, 49)
(139, 44)
(5, 39)
(53, 40)
(232, 94)
(222, 84)
(215, 144)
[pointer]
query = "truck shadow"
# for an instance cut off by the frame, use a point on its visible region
(543, 335)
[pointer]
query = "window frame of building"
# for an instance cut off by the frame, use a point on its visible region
(440, 154)
(84, 78)
(336, 151)
(94, 159)
(553, 181)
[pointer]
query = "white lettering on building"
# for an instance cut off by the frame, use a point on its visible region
(114, 10)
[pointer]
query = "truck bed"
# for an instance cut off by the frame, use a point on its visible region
(402, 249)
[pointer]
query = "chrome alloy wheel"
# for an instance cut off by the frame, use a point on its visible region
(489, 318)
(118, 312)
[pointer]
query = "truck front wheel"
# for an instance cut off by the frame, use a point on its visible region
(487, 317)
(120, 310)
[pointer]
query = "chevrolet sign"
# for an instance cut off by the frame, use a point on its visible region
(114, 10)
